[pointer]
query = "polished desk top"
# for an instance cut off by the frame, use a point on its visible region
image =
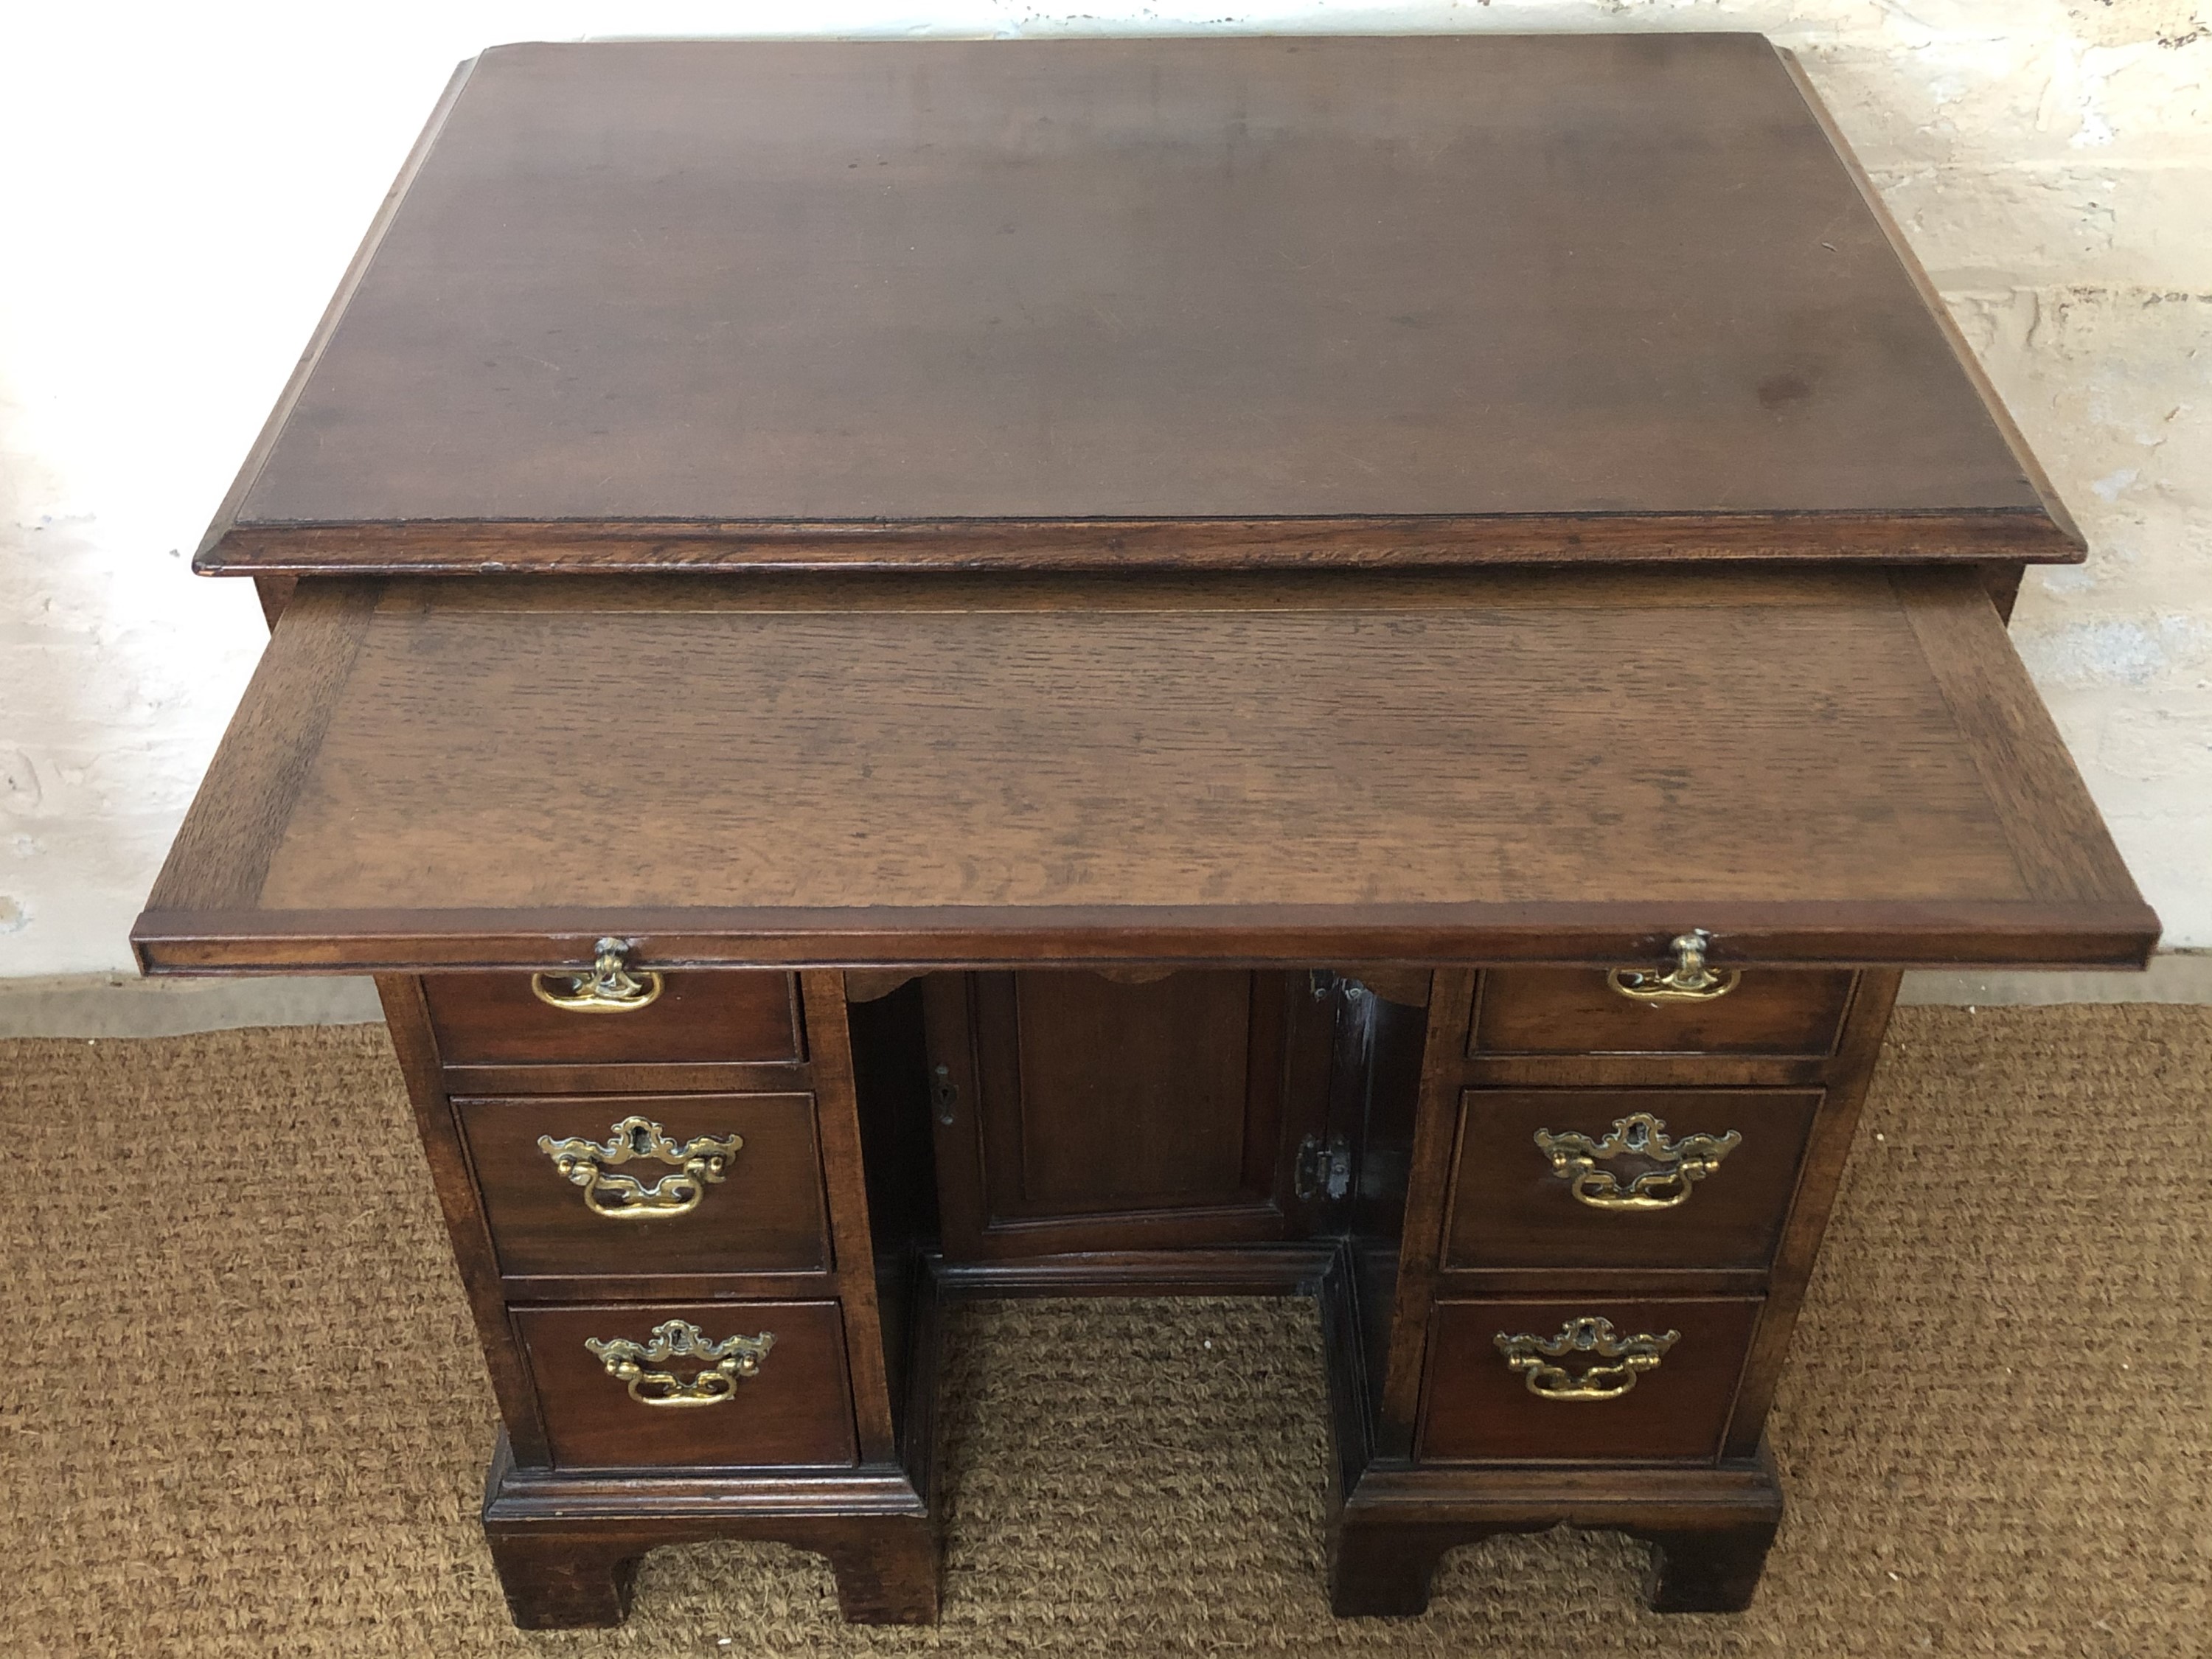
(1818, 765)
(1111, 302)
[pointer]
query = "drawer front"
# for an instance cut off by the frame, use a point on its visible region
(1598, 1403)
(794, 1409)
(1575, 1011)
(1625, 1177)
(640, 1194)
(498, 1019)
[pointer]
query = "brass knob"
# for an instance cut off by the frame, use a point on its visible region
(1630, 1356)
(722, 1364)
(1689, 981)
(1675, 1165)
(697, 1161)
(609, 988)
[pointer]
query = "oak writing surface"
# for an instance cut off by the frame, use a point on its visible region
(1010, 303)
(1816, 765)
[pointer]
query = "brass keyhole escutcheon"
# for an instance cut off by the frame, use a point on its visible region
(590, 1164)
(723, 1363)
(1675, 1166)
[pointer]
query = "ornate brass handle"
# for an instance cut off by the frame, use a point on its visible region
(1689, 981)
(624, 1197)
(1532, 1356)
(723, 1363)
(609, 988)
(1676, 1165)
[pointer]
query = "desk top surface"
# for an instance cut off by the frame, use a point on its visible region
(1116, 303)
(1818, 765)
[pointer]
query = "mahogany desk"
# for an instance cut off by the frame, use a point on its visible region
(1330, 666)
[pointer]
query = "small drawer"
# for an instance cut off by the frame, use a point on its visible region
(653, 1184)
(1780, 1011)
(791, 1405)
(1625, 1177)
(1598, 1382)
(499, 1019)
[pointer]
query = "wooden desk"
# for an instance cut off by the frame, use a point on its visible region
(1344, 667)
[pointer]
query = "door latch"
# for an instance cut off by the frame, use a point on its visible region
(1323, 1168)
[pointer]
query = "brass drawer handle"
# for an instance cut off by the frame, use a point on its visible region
(624, 1197)
(1532, 1356)
(725, 1362)
(1688, 981)
(609, 988)
(1677, 1165)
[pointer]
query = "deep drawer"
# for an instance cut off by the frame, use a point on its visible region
(1610, 1177)
(1575, 1011)
(641, 1194)
(1477, 1405)
(497, 1018)
(794, 1409)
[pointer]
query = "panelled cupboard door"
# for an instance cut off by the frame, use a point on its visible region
(1819, 767)
(1081, 1111)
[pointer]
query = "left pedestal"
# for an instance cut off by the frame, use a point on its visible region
(653, 1186)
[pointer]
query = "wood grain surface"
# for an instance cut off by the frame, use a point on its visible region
(934, 770)
(1476, 1407)
(484, 1019)
(764, 1215)
(1070, 302)
(796, 1410)
(1509, 1209)
(1557, 1010)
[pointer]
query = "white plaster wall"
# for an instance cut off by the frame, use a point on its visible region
(180, 187)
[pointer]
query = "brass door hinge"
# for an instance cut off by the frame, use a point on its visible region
(1323, 1168)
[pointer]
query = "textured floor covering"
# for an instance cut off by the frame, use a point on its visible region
(241, 1412)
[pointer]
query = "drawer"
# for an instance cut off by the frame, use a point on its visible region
(1628, 1193)
(641, 1196)
(789, 1405)
(1575, 1011)
(1602, 1398)
(498, 1019)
